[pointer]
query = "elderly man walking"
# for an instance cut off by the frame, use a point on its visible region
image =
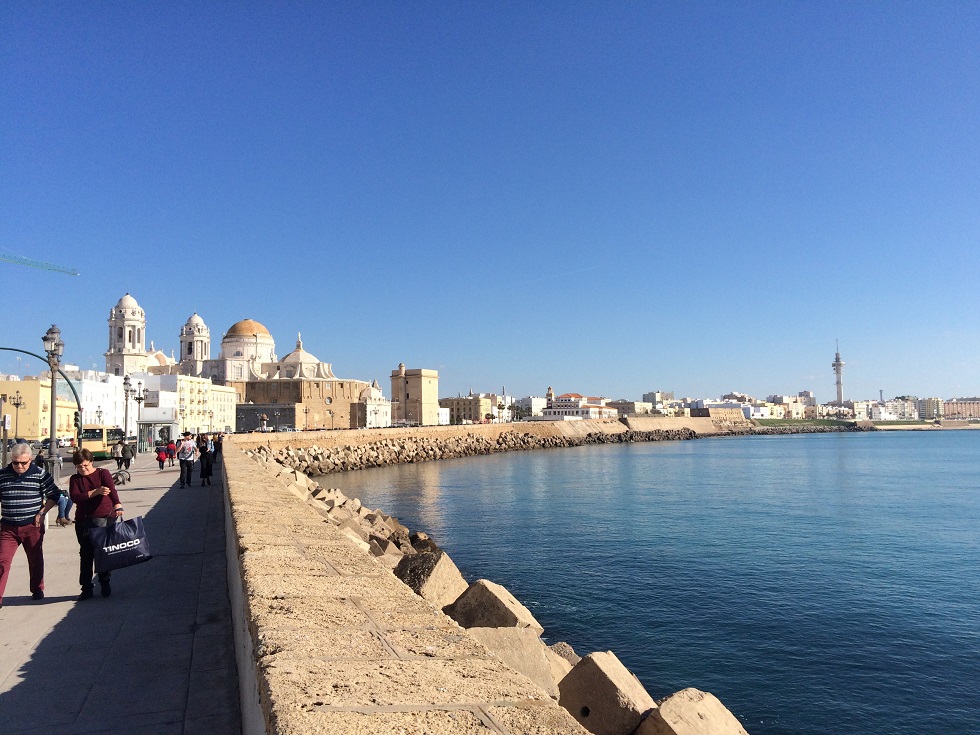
(27, 492)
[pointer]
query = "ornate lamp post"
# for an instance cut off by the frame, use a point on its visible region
(211, 421)
(127, 391)
(139, 398)
(306, 418)
(98, 415)
(241, 421)
(330, 414)
(276, 415)
(17, 401)
(54, 348)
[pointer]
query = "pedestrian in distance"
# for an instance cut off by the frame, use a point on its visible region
(94, 493)
(186, 454)
(171, 451)
(162, 456)
(27, 492)
(117, 453)
(206, 449)
(127, 454)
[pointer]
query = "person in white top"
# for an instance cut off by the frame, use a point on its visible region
(186, 453)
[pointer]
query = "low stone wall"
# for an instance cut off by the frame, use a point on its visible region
(328, 640)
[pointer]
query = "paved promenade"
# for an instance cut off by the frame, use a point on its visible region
(155, 657)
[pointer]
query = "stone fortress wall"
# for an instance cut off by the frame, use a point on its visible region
(348, 622)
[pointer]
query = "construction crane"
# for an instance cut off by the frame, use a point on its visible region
(19, 260)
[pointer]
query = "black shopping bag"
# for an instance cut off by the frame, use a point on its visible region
(120, 544)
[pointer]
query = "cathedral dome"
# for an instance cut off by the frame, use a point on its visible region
(127, 302)
(247, 328)
(195, 321)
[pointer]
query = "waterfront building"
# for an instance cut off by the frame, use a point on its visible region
(373, 409)
(962, 408)
(196, 405)
(576, 406)
(474, 408)
(658, 398)
(32, 420)
(930, 409)
(532, 405)
(414, 397)
(631, 408)
(807, 397)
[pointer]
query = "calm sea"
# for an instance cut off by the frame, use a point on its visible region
(817, 584)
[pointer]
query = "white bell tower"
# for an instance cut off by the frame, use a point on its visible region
(127, 338)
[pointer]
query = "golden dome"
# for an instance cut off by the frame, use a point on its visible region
(246, 328)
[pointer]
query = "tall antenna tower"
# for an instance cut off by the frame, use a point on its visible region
(838, 366)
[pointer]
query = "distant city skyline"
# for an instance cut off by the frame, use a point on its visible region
(606, 199)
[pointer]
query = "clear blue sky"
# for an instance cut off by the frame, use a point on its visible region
(607, 198)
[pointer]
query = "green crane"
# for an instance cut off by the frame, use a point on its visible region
(19, 260)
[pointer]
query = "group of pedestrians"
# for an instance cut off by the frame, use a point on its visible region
(204, 447)
(28, 492)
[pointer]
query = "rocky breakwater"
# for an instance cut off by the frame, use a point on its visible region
(598, 693)
(317, 460)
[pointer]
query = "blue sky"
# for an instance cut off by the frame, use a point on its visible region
(608, 198)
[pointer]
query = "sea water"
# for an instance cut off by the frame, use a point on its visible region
(817, 584)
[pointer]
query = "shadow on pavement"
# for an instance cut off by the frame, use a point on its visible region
(155, 657)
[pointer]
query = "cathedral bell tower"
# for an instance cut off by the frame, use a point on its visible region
(195, 346)
(127, 338)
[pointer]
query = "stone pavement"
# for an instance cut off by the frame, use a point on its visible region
(155, 657)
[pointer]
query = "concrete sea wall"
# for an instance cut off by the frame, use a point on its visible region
(348, 622)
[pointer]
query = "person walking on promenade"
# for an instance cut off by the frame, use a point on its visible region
(95, 494)
(27, 492)
(186, 454)
(206, 449)
(127, 454)
(171, 451)
(162, 456)
(117, 453)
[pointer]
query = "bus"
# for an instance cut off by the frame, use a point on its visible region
(99, 439)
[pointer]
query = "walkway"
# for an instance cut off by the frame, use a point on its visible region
(156, 657)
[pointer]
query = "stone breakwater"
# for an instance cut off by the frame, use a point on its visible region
(476, 664)
(316, 460)
(379, 449)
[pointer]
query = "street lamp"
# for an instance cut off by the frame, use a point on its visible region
(54, 348)
(127, 390)
(139, 398)
(276, 415)
(330, 414)
(98, 415)
(17, 402)
(211, 421)
(306, 418)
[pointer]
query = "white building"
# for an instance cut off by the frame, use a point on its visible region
(576, 406)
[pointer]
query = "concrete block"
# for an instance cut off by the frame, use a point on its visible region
(521, 649)
(691, 712)
(486, 604)
(353, 536)
(421, 542)
(433, 576)
(351, 524)
(558, 664)
(564, 650)
(604, 696)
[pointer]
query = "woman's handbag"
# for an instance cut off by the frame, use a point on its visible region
(120, 544)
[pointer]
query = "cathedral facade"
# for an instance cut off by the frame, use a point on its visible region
(299, 391)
